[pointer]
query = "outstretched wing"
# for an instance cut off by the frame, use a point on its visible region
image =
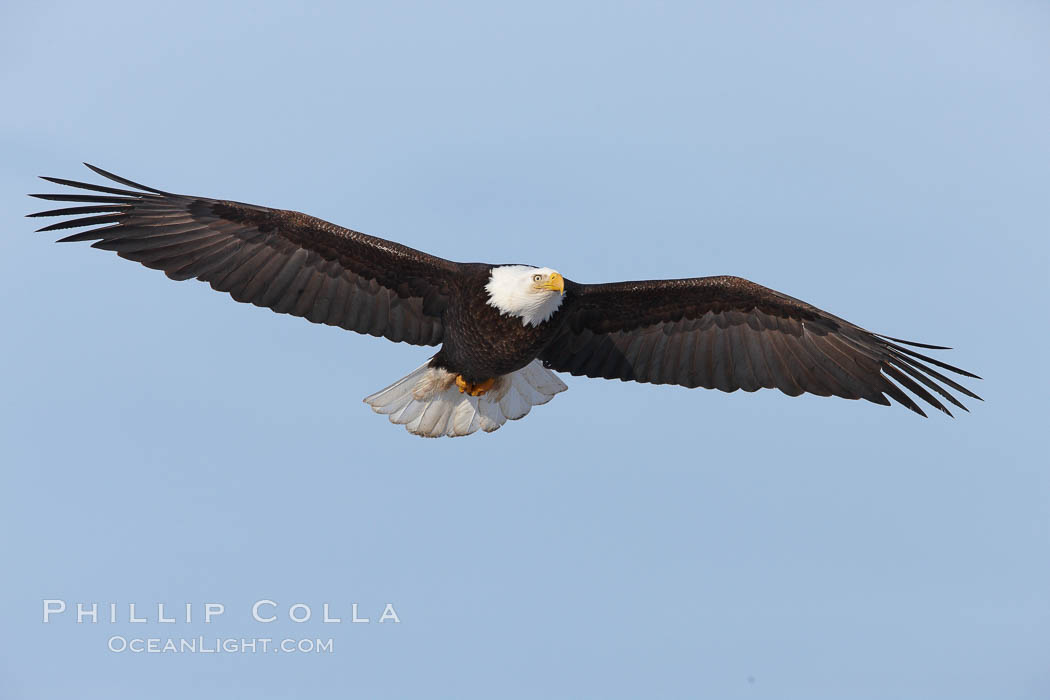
(728, 333)
(283, 260)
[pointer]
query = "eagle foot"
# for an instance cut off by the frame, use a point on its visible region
(474, 389)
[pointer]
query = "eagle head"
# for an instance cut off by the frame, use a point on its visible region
(532, 294)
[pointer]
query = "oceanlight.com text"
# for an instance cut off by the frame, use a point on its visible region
(218, 645)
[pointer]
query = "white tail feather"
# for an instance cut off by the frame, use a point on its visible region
(428, 402)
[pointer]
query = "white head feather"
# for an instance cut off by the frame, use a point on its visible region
(525, 292)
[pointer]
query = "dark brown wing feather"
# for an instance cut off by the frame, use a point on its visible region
(283, 260)
(728, 333)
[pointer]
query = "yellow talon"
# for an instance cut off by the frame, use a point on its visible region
(484, 386)
(474, 389)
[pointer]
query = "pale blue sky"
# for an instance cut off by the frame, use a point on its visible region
(161, 443)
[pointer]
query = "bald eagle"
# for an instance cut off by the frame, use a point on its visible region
(502, 328)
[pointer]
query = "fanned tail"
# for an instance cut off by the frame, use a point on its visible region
(428, 402)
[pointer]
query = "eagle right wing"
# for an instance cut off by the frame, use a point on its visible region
(729, 333)
(283, 260)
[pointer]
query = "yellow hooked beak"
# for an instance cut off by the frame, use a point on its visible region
(556, 283)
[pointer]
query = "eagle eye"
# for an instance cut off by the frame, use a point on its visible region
(537, 278)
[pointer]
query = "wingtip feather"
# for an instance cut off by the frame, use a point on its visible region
(123, 180)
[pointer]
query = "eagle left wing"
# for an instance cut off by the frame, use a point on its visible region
(284, 260)
(729, 333)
